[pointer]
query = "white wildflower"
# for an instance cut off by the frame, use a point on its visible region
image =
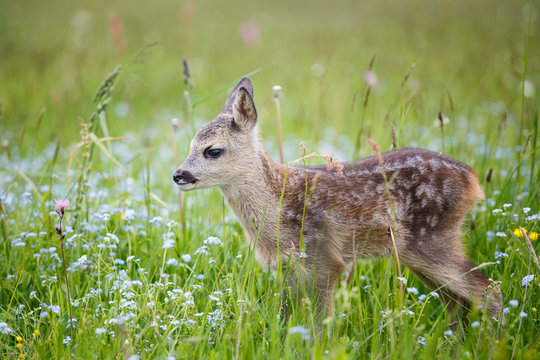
(527, 279)
(412, 290)
(186, 258)
(212, 240)
(300, 329)
(5, 329)
(402, 279)
(168, 243)
(202, 250)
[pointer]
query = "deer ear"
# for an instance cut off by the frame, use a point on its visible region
(245, 82)
(243, 110)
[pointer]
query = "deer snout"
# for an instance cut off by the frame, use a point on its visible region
(183, 177)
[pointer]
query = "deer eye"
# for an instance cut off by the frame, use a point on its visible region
(212, 153)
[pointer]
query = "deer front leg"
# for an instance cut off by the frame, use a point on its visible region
(314, 280)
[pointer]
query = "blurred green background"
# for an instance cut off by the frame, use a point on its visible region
(54, 54)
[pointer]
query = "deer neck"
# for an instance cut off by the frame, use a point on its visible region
(255, 198)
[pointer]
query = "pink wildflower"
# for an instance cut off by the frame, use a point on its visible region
(370, 78)
(62, 203)
(249, 33)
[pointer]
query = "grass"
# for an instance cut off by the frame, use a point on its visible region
(139, 285)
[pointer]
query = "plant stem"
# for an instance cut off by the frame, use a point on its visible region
(62, 236)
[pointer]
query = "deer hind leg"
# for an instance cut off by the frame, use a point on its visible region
(441, 264)
(455, 305)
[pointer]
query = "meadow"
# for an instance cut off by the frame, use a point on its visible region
(88, 92)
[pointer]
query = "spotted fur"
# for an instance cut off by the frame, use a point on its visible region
(346, 216)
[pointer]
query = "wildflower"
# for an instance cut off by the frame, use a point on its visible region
(533, 236)
(66, 340)
(100, 331)
(518, 232)
(475, 324)
(36, 332)
(434, 294)
(506, 206)
(412, 290)
(212, 240)
(421, 340)
(300, 329)
(186, 257)
(526, 210)
(527, 279)
(402, 279)
(496, 211)
(62, 203)
(19, 339)
(202, 250)
(448, 333)
(370, 78)
(168, 243)
(522, 314)
(302, 255)
(513, 303)
(506, 310)
(249, 33)
(129, 215)
(500, 234)
(408, 312)
(173, 262)
(19, 345)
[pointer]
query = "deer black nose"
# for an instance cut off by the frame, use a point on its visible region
(184, 177)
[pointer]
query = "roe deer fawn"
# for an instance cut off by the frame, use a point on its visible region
(347, 215)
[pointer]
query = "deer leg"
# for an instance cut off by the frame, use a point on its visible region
(445, 267)
(454, 304)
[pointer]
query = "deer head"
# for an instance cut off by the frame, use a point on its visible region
(223, 150)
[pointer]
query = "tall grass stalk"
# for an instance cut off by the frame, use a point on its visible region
(174, 123)
(60, 211)
(276, 98)
(367, 92)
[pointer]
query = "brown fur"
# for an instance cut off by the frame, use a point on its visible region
(432, 194)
